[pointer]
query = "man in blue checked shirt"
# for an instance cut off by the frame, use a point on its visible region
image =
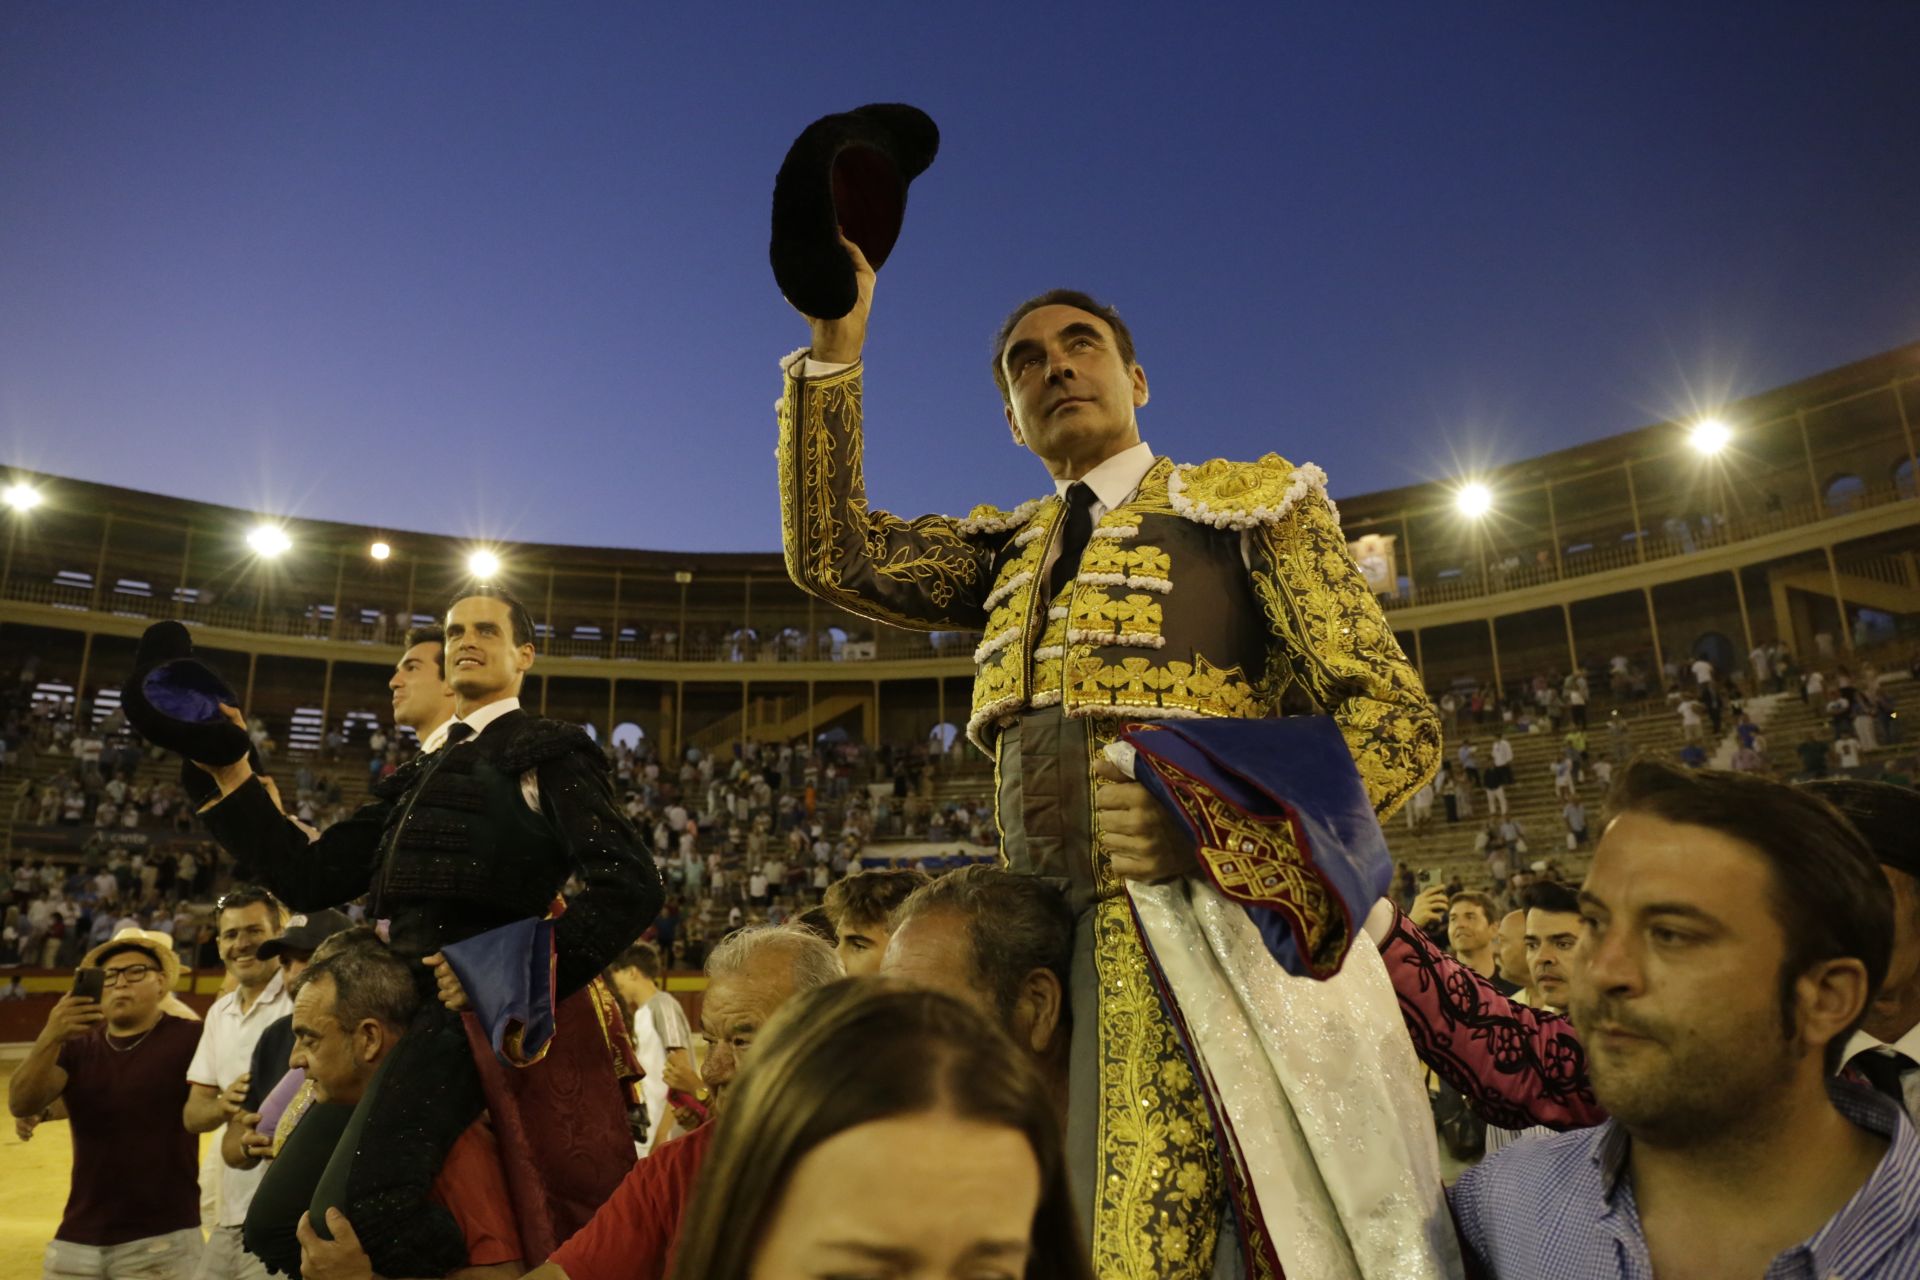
(1735, 931)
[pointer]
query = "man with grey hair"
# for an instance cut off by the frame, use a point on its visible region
(1002, 942)
(351, 1006)
(749, 976)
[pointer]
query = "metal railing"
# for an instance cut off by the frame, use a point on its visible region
(1503, 570)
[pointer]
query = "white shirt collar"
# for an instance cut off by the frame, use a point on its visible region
(486, 715)
(437, 739)
(1908, 1044)
(1114, 480)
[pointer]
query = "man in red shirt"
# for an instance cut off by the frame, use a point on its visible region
(349, 1010)
(118, 1066)
(749, 976)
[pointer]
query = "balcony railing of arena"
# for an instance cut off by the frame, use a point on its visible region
(1502, 570)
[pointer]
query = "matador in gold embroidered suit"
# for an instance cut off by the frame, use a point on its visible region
(1220, 589)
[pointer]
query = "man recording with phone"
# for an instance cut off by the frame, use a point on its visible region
(115, 1057)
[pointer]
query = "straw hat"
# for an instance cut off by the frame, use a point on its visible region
(157, 945)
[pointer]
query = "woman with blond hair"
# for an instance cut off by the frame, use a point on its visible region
(889, 1131)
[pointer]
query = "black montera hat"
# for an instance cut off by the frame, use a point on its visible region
(173, 699)
(304, 933)
(847, 171)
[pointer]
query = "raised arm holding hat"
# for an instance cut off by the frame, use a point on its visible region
(470, 841)
(1139, 589)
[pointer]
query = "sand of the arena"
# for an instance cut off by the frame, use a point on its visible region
(33, 1191)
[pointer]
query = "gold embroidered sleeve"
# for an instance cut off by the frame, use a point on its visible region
(1330, 637)
(922, 574)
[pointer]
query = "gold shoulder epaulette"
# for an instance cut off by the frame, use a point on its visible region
(991, 519)
(1242, 495)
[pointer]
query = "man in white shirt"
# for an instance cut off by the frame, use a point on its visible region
(662, 1037)
(219, 1071)
(1500, 774)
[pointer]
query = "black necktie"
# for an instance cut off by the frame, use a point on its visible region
(458, 732)
(1882, 1069)
(1074, 544)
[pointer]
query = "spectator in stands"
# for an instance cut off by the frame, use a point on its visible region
(928, 1144)
(750, 976)
(1002, 942)
(1738, 931)
(1847, 748)
(350, 1010)
(422, 698)
(1574, 814)
(662, 1038)
(860, 908)
(1500, 774)
(1470, 762)
(117, 1069)
(1693, 756)
(1420, 808)
(247, 917)
(1692, 726)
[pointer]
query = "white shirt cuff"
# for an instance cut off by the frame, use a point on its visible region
(1379, 922)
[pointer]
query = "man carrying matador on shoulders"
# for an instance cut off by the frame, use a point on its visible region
(1244, 1100)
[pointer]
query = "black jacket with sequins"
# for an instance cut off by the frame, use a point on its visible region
(450, 848)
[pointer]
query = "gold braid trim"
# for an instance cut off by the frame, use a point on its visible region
(921, 575)
(1158, 1208)
(1257, 861)
(1331, 639)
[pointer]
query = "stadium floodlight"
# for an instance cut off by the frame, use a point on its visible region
(380, 551)
(21, 496)
(483, 565)
(1710, 435)
(268, 540)
(1473, 499)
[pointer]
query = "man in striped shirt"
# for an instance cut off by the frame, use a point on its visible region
(1735, 930)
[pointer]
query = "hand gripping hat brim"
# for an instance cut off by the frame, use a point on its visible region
(173, 699)
(847, 172)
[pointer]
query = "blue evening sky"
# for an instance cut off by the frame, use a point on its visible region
(500, 269)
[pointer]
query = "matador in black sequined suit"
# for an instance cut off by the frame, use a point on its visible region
(478, 834)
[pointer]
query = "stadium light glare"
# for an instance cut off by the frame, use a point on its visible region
(268, 540)
(380, 551)
(1473, 499)
(483, 565)
(1710, 435)
(21, 497)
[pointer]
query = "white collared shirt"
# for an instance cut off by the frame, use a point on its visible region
(225, 1054)
(437, 739)
(478, 722)
(1908, 1044)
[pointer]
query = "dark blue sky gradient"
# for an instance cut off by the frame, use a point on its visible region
(500, 270)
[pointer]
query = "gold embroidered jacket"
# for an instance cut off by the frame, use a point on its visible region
(1220, 589)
